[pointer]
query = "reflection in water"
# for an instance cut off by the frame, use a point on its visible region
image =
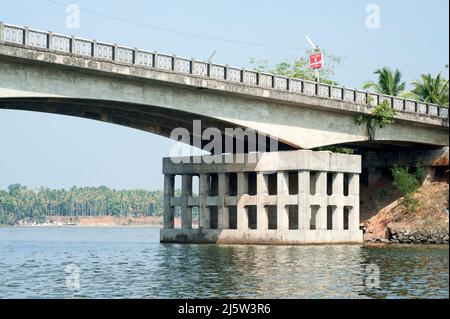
(131, 263)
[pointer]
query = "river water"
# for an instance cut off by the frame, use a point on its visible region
(78, 262)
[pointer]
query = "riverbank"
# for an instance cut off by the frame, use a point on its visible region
(103, 221)
(99, 221)
(384, 220)
(391, 223)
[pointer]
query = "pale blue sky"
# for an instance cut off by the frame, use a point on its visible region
(55, 151)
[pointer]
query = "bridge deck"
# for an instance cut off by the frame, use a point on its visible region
(62, 44)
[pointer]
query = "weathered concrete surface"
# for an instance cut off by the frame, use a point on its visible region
(255, 237)
(297, 120)
(296, 197)
(265, 162)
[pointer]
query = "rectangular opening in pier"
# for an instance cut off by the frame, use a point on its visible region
(272, 183)
(313, 218)
(195, 217)
(330, 216)
(293, 183)
(232, 210)
(213, 217)
(195, 186)
(346, 184)
(177, 217)
(313, 176)
(272, 217)
(232, 184)
(252, 217)
(213, 184)
(251, 183)
(177, 185)
(293, 216)
(330, 181)
(347, 211)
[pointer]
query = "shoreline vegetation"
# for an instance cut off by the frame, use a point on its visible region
(97, 221)
(384, 217)
(22, 205)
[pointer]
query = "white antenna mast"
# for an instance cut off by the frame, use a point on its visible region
(211, 57)
(315, 47)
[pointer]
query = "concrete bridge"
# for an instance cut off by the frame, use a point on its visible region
(46, 72)
(302, 197)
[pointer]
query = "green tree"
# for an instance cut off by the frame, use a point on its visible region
(407, 183)
(299, 68)
(389, 82)
(430, 89)
(380, 116)
(19, 203)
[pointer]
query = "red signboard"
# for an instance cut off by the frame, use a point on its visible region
(316, 61)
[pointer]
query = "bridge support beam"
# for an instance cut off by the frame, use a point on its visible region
(281, 198)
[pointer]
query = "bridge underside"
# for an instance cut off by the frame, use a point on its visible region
(151, 119)
(162, 121)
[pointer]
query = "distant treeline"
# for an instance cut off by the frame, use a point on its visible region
(20, 203)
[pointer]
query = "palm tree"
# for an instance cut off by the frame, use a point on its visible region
(431, 90)
(389, 82)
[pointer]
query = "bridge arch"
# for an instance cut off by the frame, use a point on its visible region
(46, 81)
(151, 119)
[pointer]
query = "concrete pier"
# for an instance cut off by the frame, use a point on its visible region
(295, 197)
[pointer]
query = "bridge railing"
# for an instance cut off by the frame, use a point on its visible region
(23, 36)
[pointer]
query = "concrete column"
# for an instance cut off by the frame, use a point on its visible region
(353, 218)
(26, 36)
(94, 48)
(203, 209)
(353, 185)
(338, 193)
(168, 193)
(282, 190)
(50, 41)
(155, 59)
(304, 211)
(115, 55)
(186, 211)
(135, 55)
(338, 184)
(321, 183)
(261, 212)
(73, 46)
(338, 218)
(223, 213)
(321, 190)
(2, 32)
(242, 189)
(321, 218)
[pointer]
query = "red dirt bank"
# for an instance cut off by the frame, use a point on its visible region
(385, 219)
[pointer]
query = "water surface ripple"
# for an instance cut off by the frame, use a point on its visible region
(131, 263)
